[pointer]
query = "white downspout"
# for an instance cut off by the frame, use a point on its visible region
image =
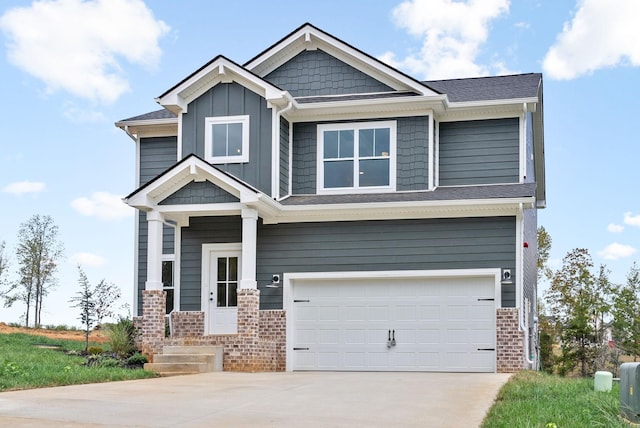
(523, 323)
(276, 150)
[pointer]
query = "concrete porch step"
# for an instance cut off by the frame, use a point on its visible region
(178, 360)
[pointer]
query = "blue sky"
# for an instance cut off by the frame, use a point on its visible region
(72, 68)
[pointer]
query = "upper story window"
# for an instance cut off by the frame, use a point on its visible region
(358, 157)
(226, 139)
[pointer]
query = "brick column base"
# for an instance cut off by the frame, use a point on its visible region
(509, 341)
(153, 322)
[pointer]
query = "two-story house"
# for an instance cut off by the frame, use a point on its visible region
(317, 209)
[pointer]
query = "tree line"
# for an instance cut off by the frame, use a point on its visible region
(38, 254)
(587, 323)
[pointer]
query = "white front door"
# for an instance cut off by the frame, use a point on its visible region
(221, 276)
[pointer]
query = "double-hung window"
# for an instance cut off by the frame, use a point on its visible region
(226, 139)
(357, 157)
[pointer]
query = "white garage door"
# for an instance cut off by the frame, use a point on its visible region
(397, 324)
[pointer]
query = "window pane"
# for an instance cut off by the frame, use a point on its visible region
(233, 268)
(169, 307)
(346, 144)
(366, 142)
(222, 269)
(382, 142)
(330, 144)
(234, 144)
(233, 294)
(219, 142)
(374, 172)
(222, 294)
(167, 274)
(338, 174)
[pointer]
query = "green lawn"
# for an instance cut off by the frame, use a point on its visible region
(534, 399)
(25, 363)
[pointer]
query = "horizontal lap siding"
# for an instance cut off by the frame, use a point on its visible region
(202, 230)
(385, 245)
(156, 156)
(479, 152)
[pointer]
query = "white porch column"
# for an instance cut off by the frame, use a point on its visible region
(249, 239)
(154, 251)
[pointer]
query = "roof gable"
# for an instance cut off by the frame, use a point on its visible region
(308, 38)
(218, 70)
(316, 73)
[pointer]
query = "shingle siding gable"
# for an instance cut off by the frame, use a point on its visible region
(313, 73)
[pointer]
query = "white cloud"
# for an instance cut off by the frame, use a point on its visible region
(81, 115)
(78, 46)
(601, 34)
(451, 32)
(523, 25)
(631, 220)
(22, 187)
(617, 251)
(615, 228)
(103, 205)
(87, 259)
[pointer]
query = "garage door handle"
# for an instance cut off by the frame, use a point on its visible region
(486, 349)
(300, 349)
(486, 300)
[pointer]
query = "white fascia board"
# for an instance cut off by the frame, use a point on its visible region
(192, 169)
(150, 128)
(401, 210)
(377, 108)
(221, 70)
(310, 38)
(491, 103)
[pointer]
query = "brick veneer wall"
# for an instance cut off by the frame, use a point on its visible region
(273, 327)
(258, 346)
(510, 341)
(151, 329)
(187, 324)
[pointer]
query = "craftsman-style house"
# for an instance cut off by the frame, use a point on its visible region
(317, 209)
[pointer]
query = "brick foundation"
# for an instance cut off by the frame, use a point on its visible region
(510, 341)
(151, 328)
(187, 324)
(258, 346)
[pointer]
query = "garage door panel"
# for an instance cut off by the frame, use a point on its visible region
(439, 324)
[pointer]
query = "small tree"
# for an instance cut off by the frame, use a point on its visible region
(84, 300)
(578, 300)
(105, 295)
(626, 314)
(5, 287)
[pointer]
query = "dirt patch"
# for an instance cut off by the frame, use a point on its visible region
(94, 336)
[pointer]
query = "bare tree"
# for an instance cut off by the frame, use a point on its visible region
(38, 252)
(105, 295)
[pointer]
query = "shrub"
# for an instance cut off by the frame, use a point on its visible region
(137, 359)
(121, 337)
(94, 350)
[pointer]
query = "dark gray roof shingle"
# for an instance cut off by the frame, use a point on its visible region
(154, 115)
(488, 88)
(497, 191)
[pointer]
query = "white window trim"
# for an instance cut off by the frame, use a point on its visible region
(209, 121)
(356, 126)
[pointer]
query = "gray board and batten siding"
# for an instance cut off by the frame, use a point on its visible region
(479, 152)
(462, 243)
(412, 157)
(233, 99)
(316, 73)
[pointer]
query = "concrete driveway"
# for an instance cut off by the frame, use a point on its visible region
(223, 399)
